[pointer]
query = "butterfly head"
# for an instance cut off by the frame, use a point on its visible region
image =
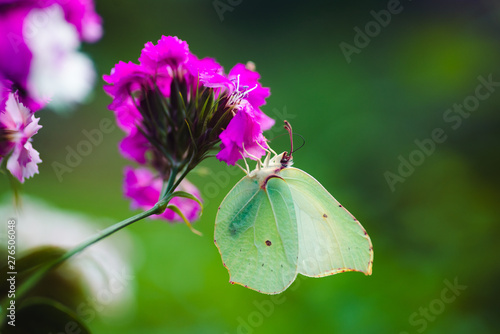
(280, 161)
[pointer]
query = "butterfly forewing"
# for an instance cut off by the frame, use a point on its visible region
(331, 240)
(256, 233)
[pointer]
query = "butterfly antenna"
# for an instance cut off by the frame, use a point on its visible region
(288, 156)
(303, 142)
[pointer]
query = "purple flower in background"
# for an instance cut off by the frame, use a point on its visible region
(143, 188)
(39, 42)
(17, 126)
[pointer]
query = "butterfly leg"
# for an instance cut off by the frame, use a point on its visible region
(268, 149)
(259, 163)
(246, 171)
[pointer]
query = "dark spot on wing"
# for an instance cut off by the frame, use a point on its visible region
(325, 215)
(340, 205)
(268, 243)
(263, 264)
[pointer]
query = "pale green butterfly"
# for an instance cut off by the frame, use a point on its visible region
(279, 221)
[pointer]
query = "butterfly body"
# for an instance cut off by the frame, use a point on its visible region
(279, 221)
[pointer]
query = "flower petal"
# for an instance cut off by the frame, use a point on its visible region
(126, 78)
(23, 162)
(144, 189)
(134, 146)
(169, 51)
(249, 79)
(243, 136)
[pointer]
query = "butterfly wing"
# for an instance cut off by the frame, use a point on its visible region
(256, 234)
(331, 240)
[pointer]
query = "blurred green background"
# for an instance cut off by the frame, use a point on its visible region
(439, 225)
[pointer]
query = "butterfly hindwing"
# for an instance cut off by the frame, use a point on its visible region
(331, 240)
(256, 233)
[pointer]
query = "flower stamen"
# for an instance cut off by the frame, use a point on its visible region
(238, 95)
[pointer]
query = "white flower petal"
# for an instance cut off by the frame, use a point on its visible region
(58, 71)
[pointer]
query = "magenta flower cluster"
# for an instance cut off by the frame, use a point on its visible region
(175, 108)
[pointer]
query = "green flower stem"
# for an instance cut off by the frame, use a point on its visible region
(171, 180)
(183, 175)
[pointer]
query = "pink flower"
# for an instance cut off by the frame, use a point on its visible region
(243, 136)
(17, 126)
(256, 94)
(15, 57)
(142, 96)
(174, 109)
(169, 51)
(246, 95)
(4, 92)
(81, 14)
(144, 190)
(249, 79)
(39, 42)
(127, 116)
(125, 79)
(197, 67)
(134, 146)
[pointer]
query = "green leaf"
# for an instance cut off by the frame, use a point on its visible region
(179, 212)
(184, 194)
